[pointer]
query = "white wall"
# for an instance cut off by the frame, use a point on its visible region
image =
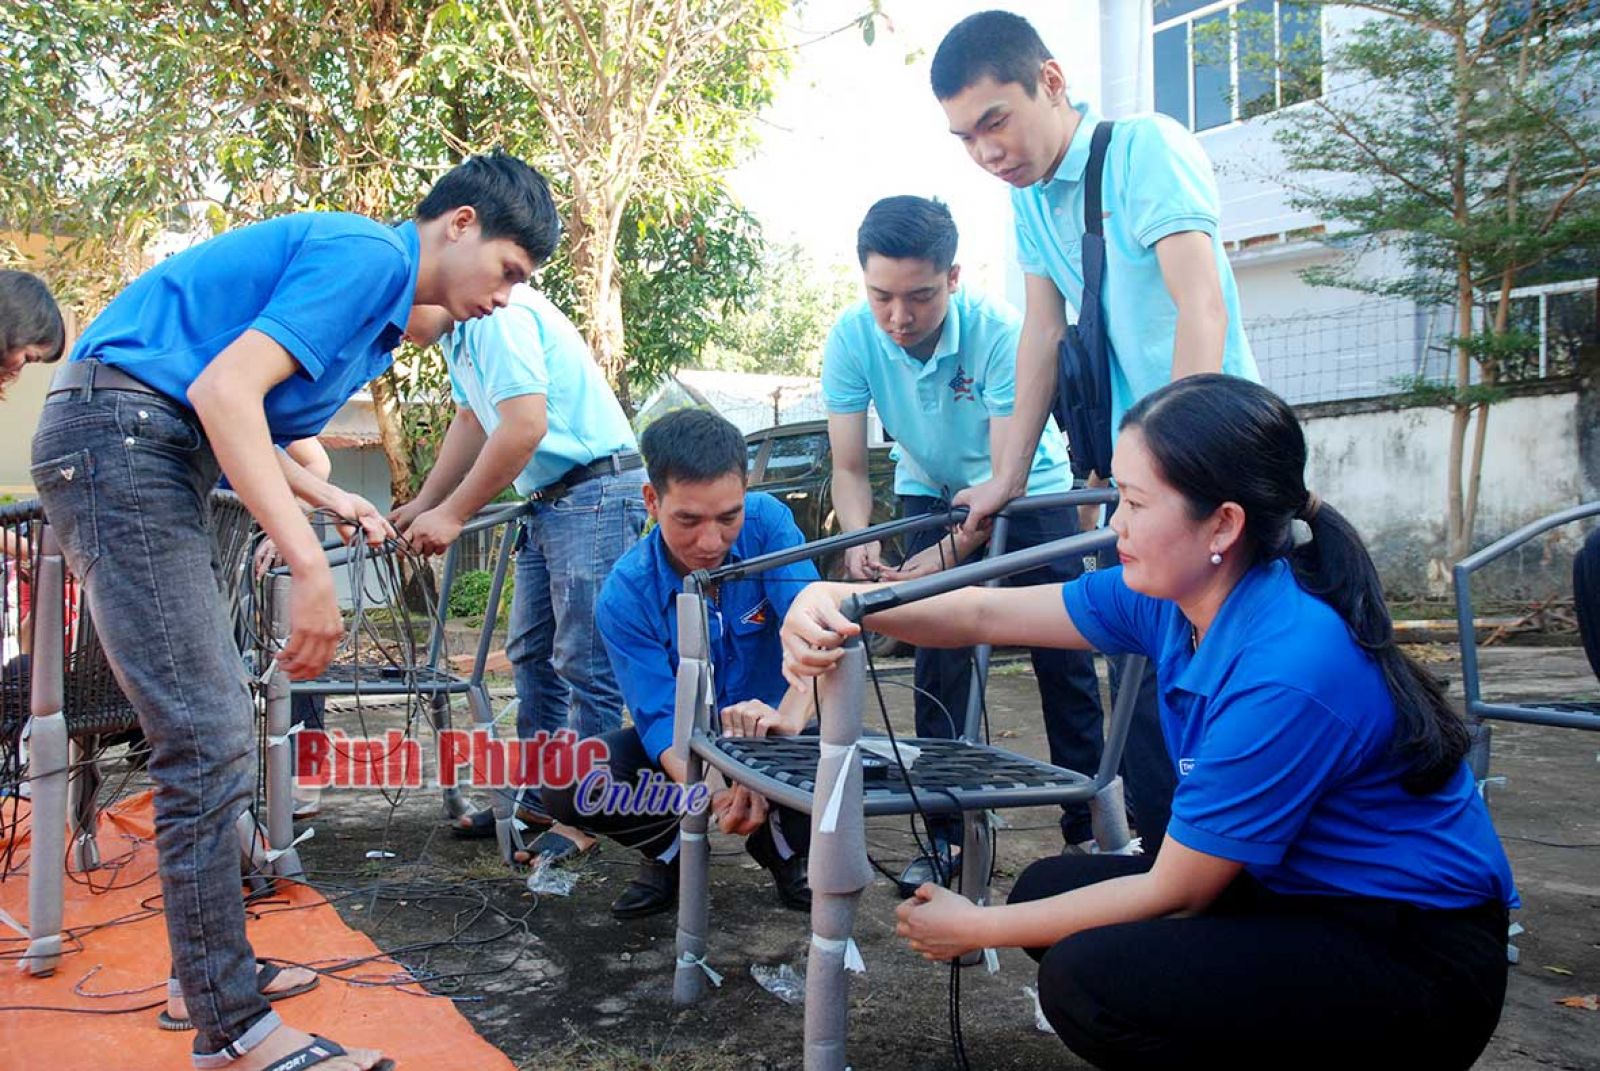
(1385, 471)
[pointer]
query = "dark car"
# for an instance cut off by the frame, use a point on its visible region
(794, 464)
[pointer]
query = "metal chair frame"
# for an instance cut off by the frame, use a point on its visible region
(840, 869)
(273, 848)
(1577, 715)
(75, 700)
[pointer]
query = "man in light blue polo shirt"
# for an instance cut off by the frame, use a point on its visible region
(533, 409)
(1169, 301)
(939, 363)
(194, 371)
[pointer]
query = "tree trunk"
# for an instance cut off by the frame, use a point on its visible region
(594, 244)
(386, 410)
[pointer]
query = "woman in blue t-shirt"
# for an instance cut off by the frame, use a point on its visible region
(1331, 889)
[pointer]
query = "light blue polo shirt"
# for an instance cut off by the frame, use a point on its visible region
(1158, 182)
(1281, 729)
(938, 410)
(638, 619)
(332, 288)
(530, 347)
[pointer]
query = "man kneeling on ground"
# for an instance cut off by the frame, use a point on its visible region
(704, 517)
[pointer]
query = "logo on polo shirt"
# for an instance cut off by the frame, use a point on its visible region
(961, 385)
(758, 614)
(1185, 767)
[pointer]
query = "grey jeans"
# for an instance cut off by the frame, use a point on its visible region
(125, 479)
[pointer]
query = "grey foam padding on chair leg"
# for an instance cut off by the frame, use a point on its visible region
(694, 899)
(285, 860)
(47, 765)
(839, 867)
(46, 863)
(83, 788)
(1108, 816)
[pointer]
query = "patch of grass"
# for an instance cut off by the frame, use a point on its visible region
(483, 866)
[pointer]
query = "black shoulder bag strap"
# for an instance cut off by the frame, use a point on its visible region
(1083, 381)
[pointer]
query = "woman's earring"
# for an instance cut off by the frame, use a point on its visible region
(1216, 558)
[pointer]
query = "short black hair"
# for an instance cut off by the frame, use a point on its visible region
(907, 227)
(29, 316)
(993, 44)
(693, 445)
(511, 198)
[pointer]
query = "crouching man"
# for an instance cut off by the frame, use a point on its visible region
(704, 517)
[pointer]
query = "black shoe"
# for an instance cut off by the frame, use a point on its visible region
(920, 870)
(653, 890)
(790, 878)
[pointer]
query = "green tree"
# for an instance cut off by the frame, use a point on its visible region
(1463, 138)
(645, 95)
(784, 329)
(124, 118)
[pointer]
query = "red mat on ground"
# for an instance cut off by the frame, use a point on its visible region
(125, 966)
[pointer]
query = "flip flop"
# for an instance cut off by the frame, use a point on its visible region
(321, 1050)
(560, 850)
(265, 973)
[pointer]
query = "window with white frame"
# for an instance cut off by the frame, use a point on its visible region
(1217, 63)
(1564, 318)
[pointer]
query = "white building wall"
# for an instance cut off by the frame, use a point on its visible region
(1385, 471)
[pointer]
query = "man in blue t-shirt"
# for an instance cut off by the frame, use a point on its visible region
(1169, 302)
(533, 409)
(704, 517)
(938, 362)
(197, 370)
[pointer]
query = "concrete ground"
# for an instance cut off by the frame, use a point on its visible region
(555, 982)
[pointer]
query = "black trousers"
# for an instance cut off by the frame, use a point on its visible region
(651, 834)
(1586, 597)
(1263, 980)
(1068, 689)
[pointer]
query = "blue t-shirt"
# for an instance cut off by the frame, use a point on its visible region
(1157, 182)
(334, 289)
(638, 618)
(938, 410)
(1281, 728)
(530, 347)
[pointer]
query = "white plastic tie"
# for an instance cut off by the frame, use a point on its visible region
(274, 854)
(279, 741)
(830, 814)
(852, 952)
(5, 917)
(687, 960)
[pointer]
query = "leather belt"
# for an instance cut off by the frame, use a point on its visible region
(90, 376)
(612, 465)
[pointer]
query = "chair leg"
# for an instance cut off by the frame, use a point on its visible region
(840, 869)
(1108, 815)
(82, 792)
(1481, 733)
(977, 860)
(46, 882)
(254, 852)
(455, 804)
(284, 859)
(502, 800)
(694, 896)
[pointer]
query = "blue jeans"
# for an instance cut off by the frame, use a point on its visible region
(1068, 689)
(563, 674)
(124, 479)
